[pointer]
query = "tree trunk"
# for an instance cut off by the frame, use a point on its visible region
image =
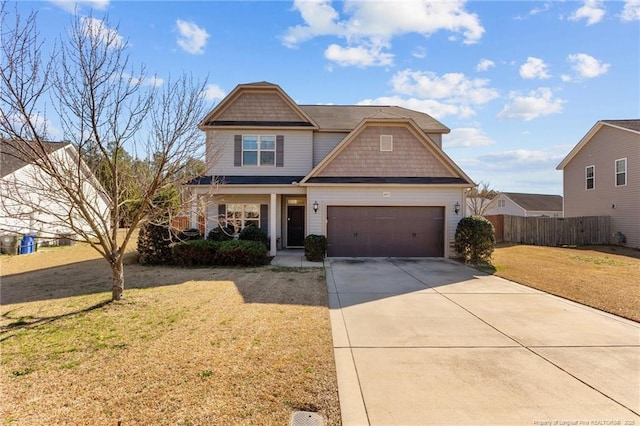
(117, 272)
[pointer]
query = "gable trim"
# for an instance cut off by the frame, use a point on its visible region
(407, 123)
(209, 119)
(585, 140)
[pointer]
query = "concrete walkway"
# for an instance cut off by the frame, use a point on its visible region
(433, 342)
(294, 258)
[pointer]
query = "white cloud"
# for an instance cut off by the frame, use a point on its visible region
(631, 11)
(359, 56)
(592, 10)
(192, 38)
(213, 92)
(485, 64)
(454, 87)
(44, 127)
(420, 52)
(72, 6)
(587, 66)
(545, 7)
(534, 68)
(96, 28)
(432, 107)
(537, 103)
(371, 23)
(149, 81)
(466, 137)
(520, 159)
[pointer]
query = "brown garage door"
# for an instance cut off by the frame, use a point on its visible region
(385, 231)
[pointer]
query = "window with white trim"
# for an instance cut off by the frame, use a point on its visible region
(243, 215)
(501, 203)
(258, 150)
(590, 177)
(621, 172)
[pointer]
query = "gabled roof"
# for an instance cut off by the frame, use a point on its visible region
(423, 138)
(14, 155)
(258, 87)
(632, 125)
(536, 202)
(345, 118)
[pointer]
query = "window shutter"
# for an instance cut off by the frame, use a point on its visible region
(237, 150)
(222, 212)
(279, 150)
(264, 218)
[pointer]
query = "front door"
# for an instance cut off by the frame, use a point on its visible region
(295, 226)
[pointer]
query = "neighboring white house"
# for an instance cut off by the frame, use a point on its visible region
(601, 177)
(33, 202)
(373, 179)
(519, 204)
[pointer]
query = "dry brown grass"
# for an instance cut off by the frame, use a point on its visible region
(606, 278)
(185, 346)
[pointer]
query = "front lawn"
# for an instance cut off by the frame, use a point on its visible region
(185, 346)
(606, 278)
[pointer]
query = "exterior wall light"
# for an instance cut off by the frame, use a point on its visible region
(315, 207)
(456, 208)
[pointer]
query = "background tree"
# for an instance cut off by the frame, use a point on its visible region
(478, 198)
(138, 137)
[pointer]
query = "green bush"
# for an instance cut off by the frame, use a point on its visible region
(154, 244)
(240, 253)
(475, 239)
(221, 233)
(315, 247)
(190, 234)
(253, 233)
(195, 253)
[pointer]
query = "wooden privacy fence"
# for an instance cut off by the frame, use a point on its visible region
(552, 231)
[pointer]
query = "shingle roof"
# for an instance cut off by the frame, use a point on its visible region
(246, 180)
(12, 156)
(347, 117)
(536, 202)
(627, 124)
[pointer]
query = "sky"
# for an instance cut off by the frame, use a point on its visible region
(519, 83)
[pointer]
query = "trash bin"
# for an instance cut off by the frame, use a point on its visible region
(9, 244)
(28, 244)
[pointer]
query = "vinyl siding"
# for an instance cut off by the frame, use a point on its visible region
(606, 146)
(324, 143)
(437, 138)
(373, 196)
(297, 153)
(509, 208)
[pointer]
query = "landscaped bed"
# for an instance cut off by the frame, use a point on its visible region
(606, 278)
(185, 346)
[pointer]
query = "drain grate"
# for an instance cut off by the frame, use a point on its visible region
(306, 418)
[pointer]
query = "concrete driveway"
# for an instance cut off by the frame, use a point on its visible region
(427, 341)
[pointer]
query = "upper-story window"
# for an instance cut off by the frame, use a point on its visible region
(590, 176)
(621, 172)
(258, 150)
(501, 203)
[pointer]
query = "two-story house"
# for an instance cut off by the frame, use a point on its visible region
(373, 179)
(601, 177)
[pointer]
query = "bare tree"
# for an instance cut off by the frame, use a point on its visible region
(478, 198)
(105, 106)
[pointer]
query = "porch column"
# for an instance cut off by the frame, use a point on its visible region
(272, 225)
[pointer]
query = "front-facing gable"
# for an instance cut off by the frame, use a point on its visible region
(387, 150)
(257, 105)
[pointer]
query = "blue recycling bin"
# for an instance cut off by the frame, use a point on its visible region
(27, 245)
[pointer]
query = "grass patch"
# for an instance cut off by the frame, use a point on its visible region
(184, 346)
(603, 277)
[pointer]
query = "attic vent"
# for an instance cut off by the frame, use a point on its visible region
(386, 142)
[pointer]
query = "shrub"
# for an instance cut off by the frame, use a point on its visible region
(195, 253)
(221, 233)
(190, 234)
(253, 233)
(315, 247)
(154, 244)
(475, 239)
(240, 253)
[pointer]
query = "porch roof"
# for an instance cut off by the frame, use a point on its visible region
(245, 180)
(389, 180)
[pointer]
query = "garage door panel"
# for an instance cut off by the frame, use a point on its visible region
(385, 231)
